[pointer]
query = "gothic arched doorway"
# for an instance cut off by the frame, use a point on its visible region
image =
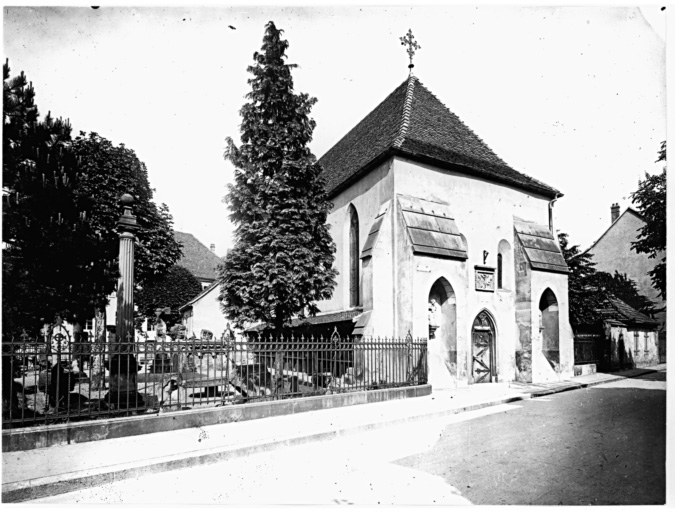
(550, 327)
(483, 352)
(442, 347)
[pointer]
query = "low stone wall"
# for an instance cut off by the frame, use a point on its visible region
(85, 431)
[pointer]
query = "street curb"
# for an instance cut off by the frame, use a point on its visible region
(30, 438)
(581, 385)
(53, 485)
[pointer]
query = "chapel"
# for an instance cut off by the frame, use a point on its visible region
(438, 237)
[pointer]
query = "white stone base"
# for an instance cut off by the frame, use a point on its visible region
(584, 369)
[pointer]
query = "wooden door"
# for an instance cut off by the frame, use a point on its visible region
(483, 368)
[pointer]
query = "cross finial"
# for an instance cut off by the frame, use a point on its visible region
(409, 41)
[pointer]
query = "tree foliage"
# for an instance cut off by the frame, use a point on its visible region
(622, 287)
(650, 199)
(175, 289)
(281, 263)
(583, 298)
(107, 172)
(60, 210)
(589, 290)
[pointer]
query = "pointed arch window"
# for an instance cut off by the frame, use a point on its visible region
(354, 262)
(504, 266)
(499, 272)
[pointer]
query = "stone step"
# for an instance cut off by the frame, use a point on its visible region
(584, 369)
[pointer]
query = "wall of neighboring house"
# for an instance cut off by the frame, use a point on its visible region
(205, 313)
(632, 346)
(612, 252)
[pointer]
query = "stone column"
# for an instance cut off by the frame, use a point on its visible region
(125, 286)
(123, 392)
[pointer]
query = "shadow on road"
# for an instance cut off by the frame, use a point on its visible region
(602, 446)
(657, 376)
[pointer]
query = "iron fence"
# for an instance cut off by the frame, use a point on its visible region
(46, 383)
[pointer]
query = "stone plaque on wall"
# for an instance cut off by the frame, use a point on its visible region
(485, 279)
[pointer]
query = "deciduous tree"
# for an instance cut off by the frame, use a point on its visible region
(175, 289)
(583, 297)
(589, 290)
(60, 210)
(624, 288)
(650, 199)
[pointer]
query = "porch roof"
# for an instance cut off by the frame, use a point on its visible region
(540, 246)
(431, 228)
(327, 318)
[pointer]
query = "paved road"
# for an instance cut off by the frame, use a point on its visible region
(602, 445)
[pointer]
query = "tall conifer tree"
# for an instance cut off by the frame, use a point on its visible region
(282, 261)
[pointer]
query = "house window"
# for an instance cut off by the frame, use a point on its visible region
(499, 271)
(89, 325)
(354, 262)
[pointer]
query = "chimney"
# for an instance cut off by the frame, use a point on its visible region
(615, 212)
(213, 247)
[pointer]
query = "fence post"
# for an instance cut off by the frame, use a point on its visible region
(96, 370)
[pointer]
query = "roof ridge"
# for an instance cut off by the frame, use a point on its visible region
(611, 225)
(637, 315)
(407, 108)
(412, 122)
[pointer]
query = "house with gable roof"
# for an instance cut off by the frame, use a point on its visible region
(201, 261)
(631, 337)
(612, 252)
(198, 259)
(438, 237)
(203, 313)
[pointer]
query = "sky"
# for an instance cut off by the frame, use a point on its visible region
(572, 96)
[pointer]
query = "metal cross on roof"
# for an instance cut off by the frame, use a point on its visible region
(409, 41)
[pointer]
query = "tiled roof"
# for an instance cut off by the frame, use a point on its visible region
(328, 318)
(616, 310)
(540, 247)
(197, 258)
(413, 123)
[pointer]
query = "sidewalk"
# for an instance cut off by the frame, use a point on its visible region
(43, 472)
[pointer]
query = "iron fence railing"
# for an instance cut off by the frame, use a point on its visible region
(78, 382)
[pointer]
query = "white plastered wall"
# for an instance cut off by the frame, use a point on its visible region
(366, 195)
(541, 369)
(484, 214)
